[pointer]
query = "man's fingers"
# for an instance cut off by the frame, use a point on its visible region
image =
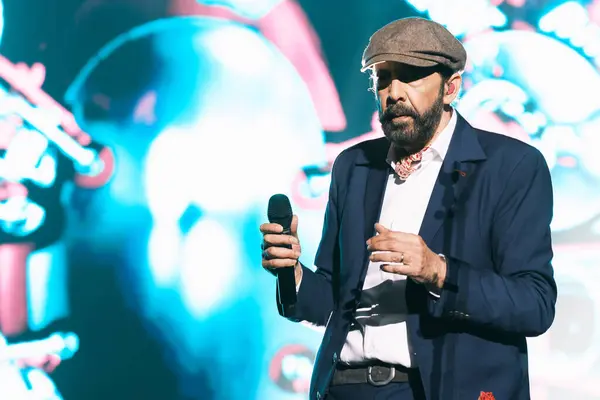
(380, 228)
(294, 225)
(401, 269)
(390, 257)
(276, 228)
(296, 247)
(279, 262)
(389, 244)
(280, 252)
(271, 228)
(400, 237)
(274, 240)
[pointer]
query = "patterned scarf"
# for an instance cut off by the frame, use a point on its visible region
(408, 165)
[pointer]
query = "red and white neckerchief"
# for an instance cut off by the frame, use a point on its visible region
(407, 165)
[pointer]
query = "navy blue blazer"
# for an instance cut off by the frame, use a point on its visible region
(489, 214)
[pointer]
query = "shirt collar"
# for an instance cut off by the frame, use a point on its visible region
(438, 148)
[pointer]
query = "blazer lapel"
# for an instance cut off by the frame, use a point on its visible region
(374, 191)
(459, 166)
(374, 159)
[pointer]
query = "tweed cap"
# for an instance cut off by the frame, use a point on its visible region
(415, 41)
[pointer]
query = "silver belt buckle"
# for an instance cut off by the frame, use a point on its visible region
(384, 382)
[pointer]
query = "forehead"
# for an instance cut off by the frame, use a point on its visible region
(403, 72)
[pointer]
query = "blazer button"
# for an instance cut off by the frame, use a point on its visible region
(319, 396)
(335, 358)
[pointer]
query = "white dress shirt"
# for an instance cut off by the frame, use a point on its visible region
(379, 332)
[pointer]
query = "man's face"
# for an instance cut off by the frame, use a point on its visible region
(411, 103)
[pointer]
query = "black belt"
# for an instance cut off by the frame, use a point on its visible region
(376, 375)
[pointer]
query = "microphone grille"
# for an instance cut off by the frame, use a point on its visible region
(280, 210)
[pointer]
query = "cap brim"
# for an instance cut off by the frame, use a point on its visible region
(400, 58)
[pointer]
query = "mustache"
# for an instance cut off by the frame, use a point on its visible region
(397, 110)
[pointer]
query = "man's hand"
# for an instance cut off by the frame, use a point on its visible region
(280, 257)
(409, 256)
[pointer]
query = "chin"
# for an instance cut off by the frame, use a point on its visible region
(402, 139)
(399, 131)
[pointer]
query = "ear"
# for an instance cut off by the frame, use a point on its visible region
(452, 88)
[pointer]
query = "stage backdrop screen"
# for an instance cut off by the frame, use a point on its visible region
(140, 142)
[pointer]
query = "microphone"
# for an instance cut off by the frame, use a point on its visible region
(280, 212)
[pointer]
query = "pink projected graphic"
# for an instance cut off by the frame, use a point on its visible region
(30, 172)
(287, 26)
(33, 154)
(291, 368)
(24, 367)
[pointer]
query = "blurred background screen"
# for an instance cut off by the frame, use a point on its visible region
(140, 141)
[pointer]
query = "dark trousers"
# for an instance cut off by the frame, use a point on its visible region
(412, 390)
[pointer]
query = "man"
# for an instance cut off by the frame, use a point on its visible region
(436, 299)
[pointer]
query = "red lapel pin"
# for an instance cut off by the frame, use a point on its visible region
(486, 396)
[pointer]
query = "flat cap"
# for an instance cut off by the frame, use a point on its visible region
(415, 41)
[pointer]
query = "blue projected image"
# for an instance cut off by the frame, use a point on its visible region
(21, 365)
(561, 130)
(248, 8)
(1, 20)
(42, 152)
(21, 373)
(205, 171)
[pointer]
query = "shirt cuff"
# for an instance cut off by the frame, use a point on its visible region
(431, 287)
(434, 291)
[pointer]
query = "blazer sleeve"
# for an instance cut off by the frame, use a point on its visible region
(315, 299)
(519, 294)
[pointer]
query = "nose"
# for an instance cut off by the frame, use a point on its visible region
(397, 92)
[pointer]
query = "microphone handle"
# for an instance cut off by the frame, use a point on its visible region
(286, 285)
